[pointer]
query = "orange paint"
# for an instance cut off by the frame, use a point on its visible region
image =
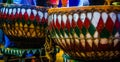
(64, 3)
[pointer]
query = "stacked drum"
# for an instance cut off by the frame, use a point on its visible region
(88, 32)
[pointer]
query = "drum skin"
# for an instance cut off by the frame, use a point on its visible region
(25, 26)
(88, 32)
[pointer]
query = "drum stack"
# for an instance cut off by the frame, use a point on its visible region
(25, 26)
(86, 33)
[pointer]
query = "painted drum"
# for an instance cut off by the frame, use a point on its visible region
(88, 32)
(25, 26)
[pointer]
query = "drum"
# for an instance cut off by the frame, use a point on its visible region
(25, 26)
(88, 32)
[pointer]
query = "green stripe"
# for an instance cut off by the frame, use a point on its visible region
(57, 31)
(84, 31)
(105, 33)
(67, 32)
(77, 30)
(62, 32)
(91, 30)
(71, 31)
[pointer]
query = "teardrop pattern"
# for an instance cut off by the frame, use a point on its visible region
(91, 34)
(12, 17)
(109, 24)
(100, 25)
(62, 24)
(24, 25)
(32, 16)
(25, 16)
(79, 23)
(37, 18)
(87, 23)
(73, 23)
(43, 20)
(20, 15)
(68, 25)
(22, 20)
(57, 24)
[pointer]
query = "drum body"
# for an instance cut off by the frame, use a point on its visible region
(89, 33)
(25, 26)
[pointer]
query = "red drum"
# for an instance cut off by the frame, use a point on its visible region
(89, 32)
(25, 25)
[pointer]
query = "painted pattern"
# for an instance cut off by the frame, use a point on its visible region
(86, 33)
(22, 22)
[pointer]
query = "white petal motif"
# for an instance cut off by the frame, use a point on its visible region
(14, 11)
(113, 16)
(82, 17)
(64, 17)
(34, 12)
(23, 11)
(28, 12)
(104, 17)
(95, 19)
(75, 16)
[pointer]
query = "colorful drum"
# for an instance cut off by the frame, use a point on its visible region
(89, 32)
(25, 26)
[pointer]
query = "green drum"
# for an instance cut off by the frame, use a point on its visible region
(25, 26)
(88, 32)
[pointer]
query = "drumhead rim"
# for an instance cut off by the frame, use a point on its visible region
(98, 7)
